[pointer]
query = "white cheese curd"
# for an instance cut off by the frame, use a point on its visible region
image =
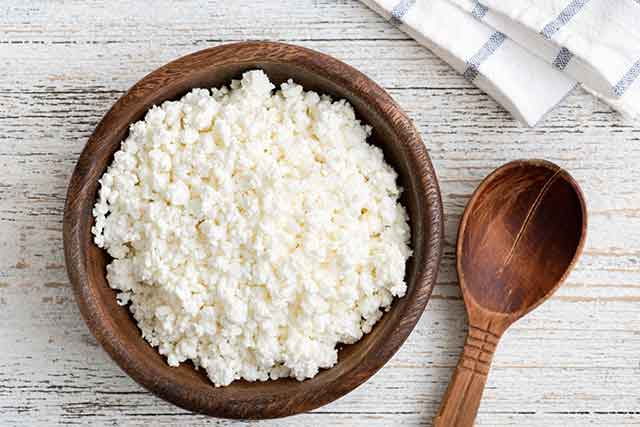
(252, 231)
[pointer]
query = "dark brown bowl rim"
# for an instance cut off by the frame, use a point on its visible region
(81, 196)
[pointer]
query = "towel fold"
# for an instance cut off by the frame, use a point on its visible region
(529, 54)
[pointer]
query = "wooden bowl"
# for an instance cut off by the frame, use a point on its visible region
(114, 327)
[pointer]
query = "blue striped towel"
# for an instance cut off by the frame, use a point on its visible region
(529, 54)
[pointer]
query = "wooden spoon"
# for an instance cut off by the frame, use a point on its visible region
(519, 238)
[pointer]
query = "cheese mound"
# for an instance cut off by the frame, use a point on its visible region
(252, 231)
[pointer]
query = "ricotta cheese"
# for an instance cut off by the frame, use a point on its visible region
(252, 231)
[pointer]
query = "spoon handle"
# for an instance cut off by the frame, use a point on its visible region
(462, 399)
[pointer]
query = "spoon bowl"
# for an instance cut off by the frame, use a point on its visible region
(520, 236)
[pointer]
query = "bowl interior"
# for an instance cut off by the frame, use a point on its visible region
(114, 326)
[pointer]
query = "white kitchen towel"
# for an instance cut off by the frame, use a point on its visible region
(528, 54)
(596, 42)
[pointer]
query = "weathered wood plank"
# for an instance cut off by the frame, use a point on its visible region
(573, 362)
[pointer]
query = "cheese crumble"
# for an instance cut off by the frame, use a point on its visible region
(252, 231)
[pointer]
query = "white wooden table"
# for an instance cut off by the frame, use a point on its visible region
(573, 362)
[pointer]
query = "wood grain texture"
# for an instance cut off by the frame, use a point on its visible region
(113, 325)
(519, 238)
(574, 361)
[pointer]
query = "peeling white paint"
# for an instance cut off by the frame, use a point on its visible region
(573, 362)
